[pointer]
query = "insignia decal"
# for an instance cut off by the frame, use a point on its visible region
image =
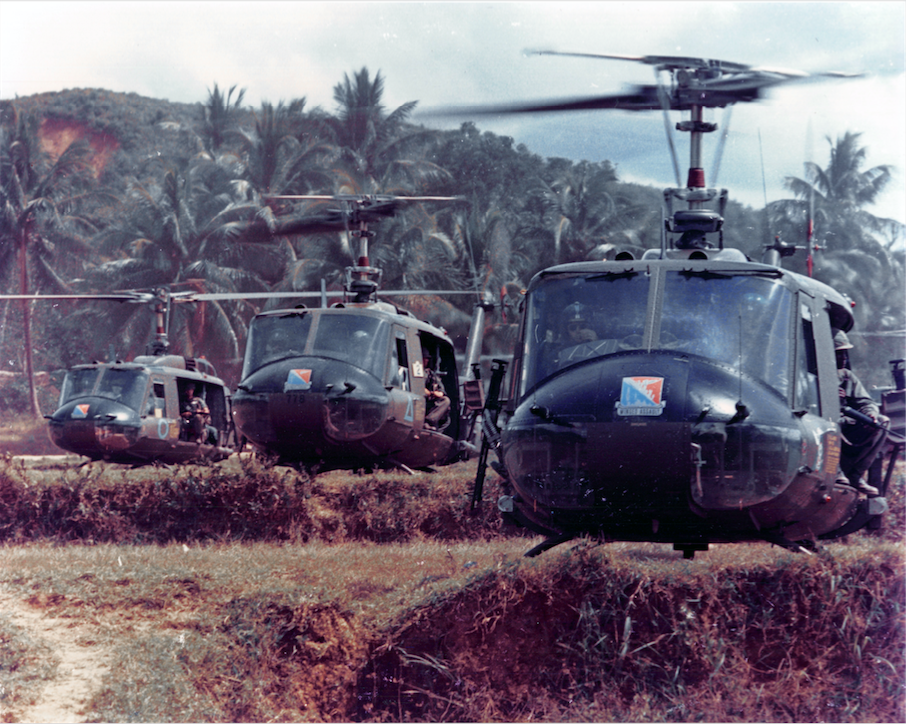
(80, 411)
(298, 380)
(641, 396)
(410, 410)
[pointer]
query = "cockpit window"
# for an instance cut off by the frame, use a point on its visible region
(275, 338)
(124, 385)
(570, 319)
(741, 321)
(358, 339)
(78, 383)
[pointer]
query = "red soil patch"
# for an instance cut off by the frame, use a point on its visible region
(58, 134)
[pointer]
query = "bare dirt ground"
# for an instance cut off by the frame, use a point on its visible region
(81, 662)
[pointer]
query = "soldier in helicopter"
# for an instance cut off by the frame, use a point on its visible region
(578, 340)
(437, 404)
(195, 416)
(577, 327)
(861, 441)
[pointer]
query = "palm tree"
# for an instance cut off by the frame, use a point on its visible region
(38, 220)
(856, 254)
(281, 153)
(217, 115)
(834, 198)
(581, 212)
(199, 229)
(378, 147)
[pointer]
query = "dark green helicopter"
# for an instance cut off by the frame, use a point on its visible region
(132, 411)
(689, 396)
(348, 385)
(345, 385)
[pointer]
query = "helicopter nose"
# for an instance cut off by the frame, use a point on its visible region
(302, 402)
(95, 425)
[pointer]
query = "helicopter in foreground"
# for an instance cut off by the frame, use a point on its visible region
(688, 396)
(132, 412)
(344, 386)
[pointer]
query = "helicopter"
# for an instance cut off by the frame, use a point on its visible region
(344, 385)
(340, 386)
(689, 396)
(131, 412)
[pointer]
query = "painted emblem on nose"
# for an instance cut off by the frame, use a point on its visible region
(641, 396)
(298, 380)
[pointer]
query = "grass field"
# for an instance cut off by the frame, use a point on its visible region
(239, 592)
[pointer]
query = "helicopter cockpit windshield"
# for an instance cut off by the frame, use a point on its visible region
(123, 385)
(573, 318)
(740, 320)
(359, 339)
(78, 383)
(274, 338)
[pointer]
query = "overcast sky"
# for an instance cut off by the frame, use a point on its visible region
(463, 53)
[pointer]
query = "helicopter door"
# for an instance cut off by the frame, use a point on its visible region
(806, 391)
(154, 412)
(398, 370)
(157, 399)
(216, 402)
(826, 362)
(443, 361)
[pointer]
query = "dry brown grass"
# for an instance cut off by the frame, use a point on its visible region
(241, 592)
(429, 631)
(24, 436)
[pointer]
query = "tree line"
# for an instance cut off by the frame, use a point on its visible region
(199, 217)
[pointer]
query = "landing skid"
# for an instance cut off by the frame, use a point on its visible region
(549, 543)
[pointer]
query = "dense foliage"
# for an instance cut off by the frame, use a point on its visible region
(117, 191)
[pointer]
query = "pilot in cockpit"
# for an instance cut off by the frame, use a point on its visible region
(575, 321)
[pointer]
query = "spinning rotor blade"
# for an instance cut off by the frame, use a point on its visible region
(134, 297)
(233, 296)
(695, 83)
(665, 62)
(354, 209)
(640, 98)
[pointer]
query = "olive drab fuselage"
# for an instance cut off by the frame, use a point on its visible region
(705, 409)
(129, 412)
(344, 386)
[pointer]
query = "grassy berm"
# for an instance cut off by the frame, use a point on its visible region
(245, 592)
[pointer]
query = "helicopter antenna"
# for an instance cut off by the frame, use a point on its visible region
(810, 227)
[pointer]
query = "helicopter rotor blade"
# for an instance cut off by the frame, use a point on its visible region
(665, 62)
(137, 297)
(353, 209)
(697, 83)
(640, 98)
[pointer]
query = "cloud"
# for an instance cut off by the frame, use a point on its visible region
(457, 53)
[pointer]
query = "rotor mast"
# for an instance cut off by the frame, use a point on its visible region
(362, 279)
